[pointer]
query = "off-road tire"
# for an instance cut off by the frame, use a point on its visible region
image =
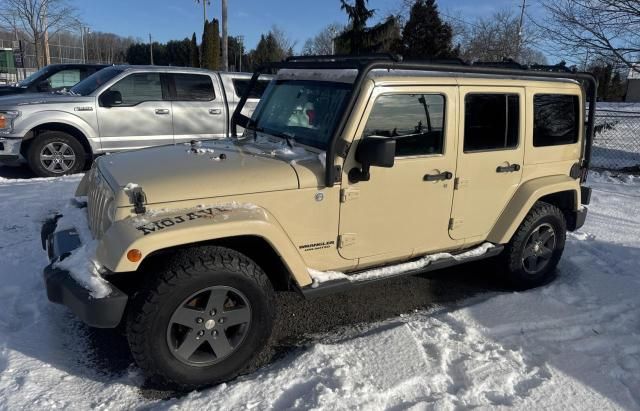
(542, 215)
(57, 139)
(151, 309)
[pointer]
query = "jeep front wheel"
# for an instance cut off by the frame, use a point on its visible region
(54, 153)
(531, 257)
(203, 320)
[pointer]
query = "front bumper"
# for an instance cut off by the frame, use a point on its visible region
(62, 289)
(10, 149)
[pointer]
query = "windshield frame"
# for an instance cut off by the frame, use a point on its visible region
(117, 71)
(301, 140)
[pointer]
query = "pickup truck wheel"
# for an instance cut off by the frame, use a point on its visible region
(531, 257)
(203, 320)
(54, 153)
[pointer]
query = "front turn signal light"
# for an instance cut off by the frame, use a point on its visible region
(3, 121)
(134, 255)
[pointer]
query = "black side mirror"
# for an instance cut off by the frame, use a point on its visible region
(44, 86)
(110, 98)
(373, 151)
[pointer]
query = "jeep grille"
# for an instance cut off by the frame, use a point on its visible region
(99, 197)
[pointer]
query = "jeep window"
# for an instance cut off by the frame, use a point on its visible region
(139, 87)
(556, 118)
(306, 111)
(491, 121)
(94, 81)
(415, 121)
(240, 86)
(193, 87)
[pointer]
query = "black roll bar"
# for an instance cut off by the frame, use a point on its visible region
(365, 64)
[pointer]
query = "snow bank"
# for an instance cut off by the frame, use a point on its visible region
(325, 276)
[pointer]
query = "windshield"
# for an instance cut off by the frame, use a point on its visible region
(303, 111)
(91, 83)
(34, 76)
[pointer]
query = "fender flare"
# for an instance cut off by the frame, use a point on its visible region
(523, 200)
(151, 234)
(62, 117)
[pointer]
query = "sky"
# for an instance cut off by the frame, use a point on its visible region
(300, 19)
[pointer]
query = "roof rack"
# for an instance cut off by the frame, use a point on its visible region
(366, 63)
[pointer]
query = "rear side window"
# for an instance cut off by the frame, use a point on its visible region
(492, 121)
(415, 121)
(193, 87)
(241, 85)
(556, 118)
(139, 87)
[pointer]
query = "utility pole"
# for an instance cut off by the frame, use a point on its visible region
(151, 49)
(225, 38)
(241, 41)
(520, 33)
(204, 8)
(333, 33)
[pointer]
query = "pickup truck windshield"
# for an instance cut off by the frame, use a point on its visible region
(304, 111)
(33, 76)
(91, 83)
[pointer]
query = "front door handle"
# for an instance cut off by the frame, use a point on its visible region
(508, 169)
(447, 175)
(215, 111)
(162, 111)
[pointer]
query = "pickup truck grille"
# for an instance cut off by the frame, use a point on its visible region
(99, 198)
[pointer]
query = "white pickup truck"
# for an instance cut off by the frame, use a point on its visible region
(119, 108)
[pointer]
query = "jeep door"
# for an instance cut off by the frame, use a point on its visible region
(490, 156)
(199, 109)
(141, 117)
(403, 210)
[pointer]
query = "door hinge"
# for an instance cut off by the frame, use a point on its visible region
(459, 183)
(348, 194)
(345, 240)
(455, 223)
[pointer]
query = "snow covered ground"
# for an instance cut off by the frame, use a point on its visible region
(573, 344)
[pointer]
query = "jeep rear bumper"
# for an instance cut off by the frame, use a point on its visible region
(63, 289)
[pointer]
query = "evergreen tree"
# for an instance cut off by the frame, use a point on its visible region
(425, 35)
(205, 53)
(194, 53)
(358, 14)
(216, 46)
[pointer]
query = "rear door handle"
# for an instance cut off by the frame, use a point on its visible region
(215, 111)
(162, 111)
(508, 169)
(447, 175)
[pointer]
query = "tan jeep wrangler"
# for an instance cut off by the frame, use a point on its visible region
(349, 171)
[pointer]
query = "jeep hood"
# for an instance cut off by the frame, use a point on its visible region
(214, 169)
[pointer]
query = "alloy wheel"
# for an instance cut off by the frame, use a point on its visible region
(57, 157)
(209, 326)
(539, 248)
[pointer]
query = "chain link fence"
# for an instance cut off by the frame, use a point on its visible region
(616, 145)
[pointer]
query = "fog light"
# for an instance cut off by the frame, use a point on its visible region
(134, 255)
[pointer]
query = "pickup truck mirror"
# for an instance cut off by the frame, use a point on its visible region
(373, 151)
(110, 98)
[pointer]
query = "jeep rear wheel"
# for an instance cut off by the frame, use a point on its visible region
(203, 320)
(531, 257)
(54, 153)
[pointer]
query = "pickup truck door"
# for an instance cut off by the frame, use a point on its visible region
(142, 116)
(199, 107)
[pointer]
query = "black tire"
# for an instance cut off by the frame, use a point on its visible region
(151, 330)
(528, 260)
(55, 153)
